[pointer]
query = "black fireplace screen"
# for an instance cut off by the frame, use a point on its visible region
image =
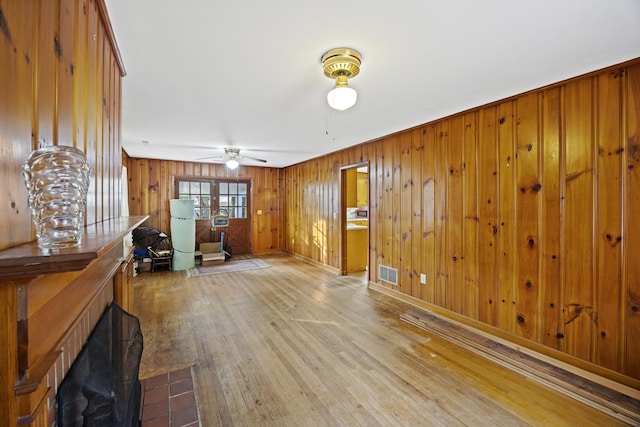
(102, 387)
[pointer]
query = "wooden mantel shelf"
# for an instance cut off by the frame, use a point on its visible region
(29, 260)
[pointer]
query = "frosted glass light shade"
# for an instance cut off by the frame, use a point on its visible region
(342, 98)
(232, 163)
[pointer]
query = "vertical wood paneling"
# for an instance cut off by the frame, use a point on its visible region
(507, 216)
(388, 238)
(319, 226)
(46, 72)
(115, 145)
(395, 195)
(64, 49)
(577, 300)
(80, 75)
(405, 214)
(630, 306)
(92, 109)
(276, 209)
(608, 241)
(470, 291)
(441, 221)
(325, 176)
(528, 197)
(488, 216)
(258, 196)
(455, 214)
(376, 194)
(316, 251)
(155, 203)
(428, 212)
(550, 266)
(100, 122)
(417, 204)
(17, 110)
(106, 125)
(334, 186)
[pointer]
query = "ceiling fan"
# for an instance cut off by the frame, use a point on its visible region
(232, 157)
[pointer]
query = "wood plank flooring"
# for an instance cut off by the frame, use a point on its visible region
(293, 345)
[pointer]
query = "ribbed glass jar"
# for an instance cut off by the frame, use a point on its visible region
(57, 179)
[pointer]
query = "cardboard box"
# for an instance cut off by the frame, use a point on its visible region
(211, 254)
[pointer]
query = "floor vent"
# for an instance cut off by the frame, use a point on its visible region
(388, 274)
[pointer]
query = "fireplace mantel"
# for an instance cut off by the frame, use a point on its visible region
(97, 239)
(51, 301)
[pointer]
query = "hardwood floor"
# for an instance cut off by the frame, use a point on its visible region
(294, 345)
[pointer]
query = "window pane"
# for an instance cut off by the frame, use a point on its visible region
(224, 201)
(224, 188)
(242, 201)
(242, 188)
(242, 212)
(200, 193)
(233, 188)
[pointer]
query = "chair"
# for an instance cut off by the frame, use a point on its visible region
(160, 258)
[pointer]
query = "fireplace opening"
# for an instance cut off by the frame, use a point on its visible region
(102, 387)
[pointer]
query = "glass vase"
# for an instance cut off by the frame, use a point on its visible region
(57, 179)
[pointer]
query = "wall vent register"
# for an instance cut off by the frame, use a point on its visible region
(388, 274)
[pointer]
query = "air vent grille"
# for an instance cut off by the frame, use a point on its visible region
(388, 274)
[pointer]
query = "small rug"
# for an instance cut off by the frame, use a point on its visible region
(228, 267)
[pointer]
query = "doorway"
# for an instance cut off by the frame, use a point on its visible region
(212, 195)
(354, 220)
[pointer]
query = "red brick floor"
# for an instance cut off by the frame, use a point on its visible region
(169, 400)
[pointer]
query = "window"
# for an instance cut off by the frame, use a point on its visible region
(209, 195)
(200, 193)
(233, 198)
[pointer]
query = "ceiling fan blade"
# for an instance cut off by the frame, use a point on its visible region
(211, 157)
(255, 159)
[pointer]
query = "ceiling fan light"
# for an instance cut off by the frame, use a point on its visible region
(342, 98)
(232, 163)
(341, 64)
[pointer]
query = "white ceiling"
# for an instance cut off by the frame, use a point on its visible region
(207, 74)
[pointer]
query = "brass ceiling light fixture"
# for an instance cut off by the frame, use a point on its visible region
(341, 64)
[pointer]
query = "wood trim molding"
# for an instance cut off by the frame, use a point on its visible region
(320, 265)
(578, 366)
(104, 15)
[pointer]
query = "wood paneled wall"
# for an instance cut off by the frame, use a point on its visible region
(60, 85)
(151, 186)
(522, 214)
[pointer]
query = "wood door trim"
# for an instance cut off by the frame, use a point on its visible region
(342, 220)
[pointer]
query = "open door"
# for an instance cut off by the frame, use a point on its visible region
(354, 220)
